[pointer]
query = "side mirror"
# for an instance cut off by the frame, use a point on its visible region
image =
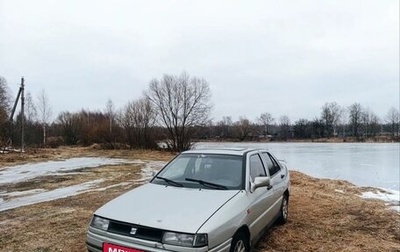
(260, 182)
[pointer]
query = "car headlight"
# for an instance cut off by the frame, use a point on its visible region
(100, 223)
(186, 240)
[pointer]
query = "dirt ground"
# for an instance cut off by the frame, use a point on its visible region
(325, 215)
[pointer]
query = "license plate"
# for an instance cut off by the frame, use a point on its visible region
(107, 247)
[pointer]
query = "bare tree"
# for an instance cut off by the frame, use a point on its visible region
(393, 119)
(110, 112)
(355, 117)
(303, 129)
(4, 100)
(330, 115)
(224, 127)
(181, 103)
(284, 127)
(32, 133)
(30, 108)
(5, 108)
(318, 128)
(343, 121)
(137, 119)
(45, 112)
(70, 125)
(375, 124)
(242, 128)
(370, 122)
(266, 120)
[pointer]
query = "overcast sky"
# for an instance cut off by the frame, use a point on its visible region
(281, 57)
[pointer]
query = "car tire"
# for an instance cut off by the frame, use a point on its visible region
(240, 243)
(284, 211)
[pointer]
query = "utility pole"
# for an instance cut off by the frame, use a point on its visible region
(10, 120)
(22, 115)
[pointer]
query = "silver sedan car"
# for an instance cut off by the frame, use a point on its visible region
(202, 200)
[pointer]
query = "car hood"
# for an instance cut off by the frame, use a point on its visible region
(166, 207)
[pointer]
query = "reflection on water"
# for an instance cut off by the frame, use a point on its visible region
(364, 164)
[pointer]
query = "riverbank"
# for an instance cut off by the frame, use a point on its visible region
(325, 215)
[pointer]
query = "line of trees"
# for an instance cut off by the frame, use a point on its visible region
(174, 111)
(170, 110)
(354, 123)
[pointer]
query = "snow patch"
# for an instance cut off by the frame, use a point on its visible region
(149, 170)
(395, 208)
(45, 196)
(29, 171)
(392, 197)
(18, 173)
(21, 193)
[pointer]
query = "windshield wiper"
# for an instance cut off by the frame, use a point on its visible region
(207, 184)
(171, 182)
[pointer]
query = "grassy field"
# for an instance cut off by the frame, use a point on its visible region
(325, 215)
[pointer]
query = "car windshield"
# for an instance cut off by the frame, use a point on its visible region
(210, 171)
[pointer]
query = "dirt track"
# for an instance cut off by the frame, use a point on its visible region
(321, 219)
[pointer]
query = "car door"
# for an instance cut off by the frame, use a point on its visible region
(277, 175)
(261, 199)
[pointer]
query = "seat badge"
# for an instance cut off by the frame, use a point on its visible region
(133, 231)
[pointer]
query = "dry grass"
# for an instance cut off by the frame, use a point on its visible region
(321, 219)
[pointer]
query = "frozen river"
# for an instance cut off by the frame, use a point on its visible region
(363, 164)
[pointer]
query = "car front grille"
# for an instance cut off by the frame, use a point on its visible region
(136, 231)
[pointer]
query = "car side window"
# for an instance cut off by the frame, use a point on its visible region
(256, 167)
(277, 168)
(273, 166)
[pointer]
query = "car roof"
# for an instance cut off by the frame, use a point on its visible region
(225, 151)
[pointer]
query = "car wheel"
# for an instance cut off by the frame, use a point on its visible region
(240, 243)
(284, 212)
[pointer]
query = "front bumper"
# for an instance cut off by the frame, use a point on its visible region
(96, 238)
